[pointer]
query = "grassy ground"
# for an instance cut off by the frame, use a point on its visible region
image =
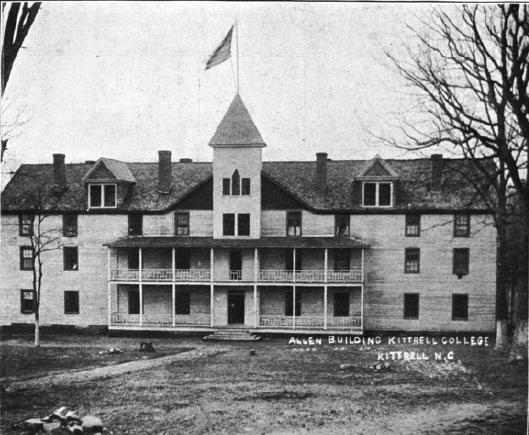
(287, 389)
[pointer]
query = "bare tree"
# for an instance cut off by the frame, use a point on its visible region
(471, 71)
(42, 239)
(19, 18)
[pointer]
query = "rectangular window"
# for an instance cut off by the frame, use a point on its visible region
(102, 195)
(26, 258)
(413, 225)
(71, 302)
(289, 305)
(243, 224)
(226, 186)
(377, 194)
(341, 304)
(135, 224)
(341, 225)
(245, 186)
(459, 307)
(182, 303)
(461, 261)
(27, 301)
(69, 225)
(461, 225)
(412, 260)
(293, 223)
(181, 222)
(228, 224)
(342, 259)
(70, 256)
(411, 305)
(289, 260)
(25, 222)
(109, 195)
(134, 302)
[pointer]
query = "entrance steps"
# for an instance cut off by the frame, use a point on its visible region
(231, 334)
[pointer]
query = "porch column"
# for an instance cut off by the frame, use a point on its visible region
(362, 251)
(140, 273)
(109, 289)
(294, 288)
(325, 268)
(362, 306)
(173, 286)
(255, 278)
(211, 287)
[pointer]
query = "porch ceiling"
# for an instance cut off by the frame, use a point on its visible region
(264, 242)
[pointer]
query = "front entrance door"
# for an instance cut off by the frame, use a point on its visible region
(235, 307)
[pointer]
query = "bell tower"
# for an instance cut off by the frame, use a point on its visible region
(237, 163)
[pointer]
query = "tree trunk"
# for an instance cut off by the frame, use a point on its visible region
(502, 333)
(37, 329)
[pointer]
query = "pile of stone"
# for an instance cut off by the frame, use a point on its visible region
(63, 421)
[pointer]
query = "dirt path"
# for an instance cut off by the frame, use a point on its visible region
(72, 376)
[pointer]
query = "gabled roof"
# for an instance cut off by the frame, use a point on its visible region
(115, 169)
(296, 178)
(377, 168)
(237, 128)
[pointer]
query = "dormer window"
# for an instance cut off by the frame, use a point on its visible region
(102, 196)
(377, 194)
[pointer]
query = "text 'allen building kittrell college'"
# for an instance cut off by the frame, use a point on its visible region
(322, 246)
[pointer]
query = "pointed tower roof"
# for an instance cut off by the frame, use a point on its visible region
(237, 128)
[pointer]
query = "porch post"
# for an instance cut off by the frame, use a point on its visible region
(255, 277)
(211, 288)
(140, 273)
(173, 287)
(109, 290)
(294, 288)
(362, 251)
(362, 306)
(325, 268)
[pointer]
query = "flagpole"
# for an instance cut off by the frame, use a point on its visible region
(237, 49)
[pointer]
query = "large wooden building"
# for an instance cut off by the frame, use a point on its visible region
(318, 246)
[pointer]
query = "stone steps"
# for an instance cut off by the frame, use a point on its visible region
(232, 335)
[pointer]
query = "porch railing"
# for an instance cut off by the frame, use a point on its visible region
(267, 275)
(161, 319)
(310, 322)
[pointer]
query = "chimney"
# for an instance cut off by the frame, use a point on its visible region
(321, 172)
(164, 171)
(437, 172)
(59, 172)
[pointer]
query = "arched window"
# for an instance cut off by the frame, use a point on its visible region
(235, 183)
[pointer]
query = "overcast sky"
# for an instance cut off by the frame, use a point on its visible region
(124, 79)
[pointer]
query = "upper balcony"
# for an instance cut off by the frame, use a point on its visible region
(226, 275)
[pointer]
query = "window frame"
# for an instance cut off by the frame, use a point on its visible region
(239, 216)
(225, 216)
(64, 256)
(22, 292)
(337, 224)
(133, 225)
(226, 183)
(187, 226)
(460, 318)
(103, 195)
(407, 252)
(22, 258)
(291, 213)
(405, 308)
(21, 224)
(236, 183)
(408, 224)
(456, 270)
(245, 186)
(457, 228)
(77, 304)
(69, 230)
(377, 193)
